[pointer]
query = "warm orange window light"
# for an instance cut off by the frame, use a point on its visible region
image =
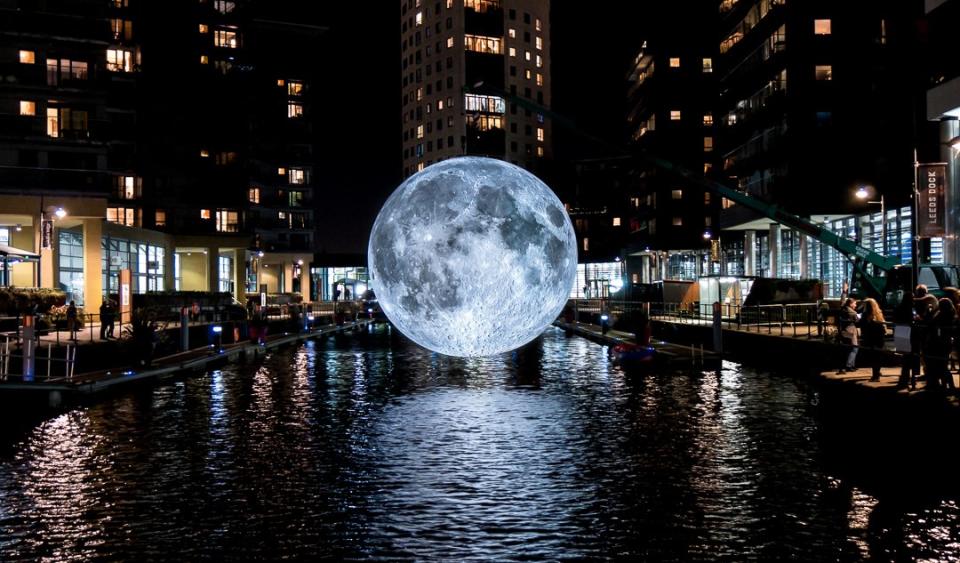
(28, 57)
(204, 213)
(28, 108)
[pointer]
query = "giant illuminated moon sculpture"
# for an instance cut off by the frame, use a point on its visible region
(472, 257)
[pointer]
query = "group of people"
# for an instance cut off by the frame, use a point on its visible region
(932, 325)
(930, 322)
(108, 315)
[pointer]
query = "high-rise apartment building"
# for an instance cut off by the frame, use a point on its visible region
(817, 99)
(671, 99)
(462, 60)
(173, 140)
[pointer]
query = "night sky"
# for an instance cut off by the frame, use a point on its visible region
(361, 149)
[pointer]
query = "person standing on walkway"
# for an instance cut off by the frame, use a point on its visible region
(111, 317)
(939, 344)
(848, 319)
(873, 331)
(907, 343)
(104, 314)
(72, 320)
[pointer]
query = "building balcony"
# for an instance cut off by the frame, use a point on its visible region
(14, 179)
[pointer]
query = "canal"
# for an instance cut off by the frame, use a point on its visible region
(369, 447)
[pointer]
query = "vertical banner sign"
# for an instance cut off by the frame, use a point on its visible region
(931, 205)
(125, 296)
(46, 234)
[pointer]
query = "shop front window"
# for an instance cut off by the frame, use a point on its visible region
(70, 263)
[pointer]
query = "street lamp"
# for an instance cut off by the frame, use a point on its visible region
(863, 193)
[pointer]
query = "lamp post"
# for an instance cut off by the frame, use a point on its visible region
(863, 193)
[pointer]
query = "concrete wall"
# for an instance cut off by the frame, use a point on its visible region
(22, 273)
(193, 271)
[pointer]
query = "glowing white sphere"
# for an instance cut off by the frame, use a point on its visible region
(472, 257)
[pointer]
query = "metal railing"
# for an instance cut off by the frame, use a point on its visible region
(45, 366)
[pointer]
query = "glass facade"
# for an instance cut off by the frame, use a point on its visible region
(599, 279)
(145, 262)
(225, 274)
(327, 280)
(70, 264)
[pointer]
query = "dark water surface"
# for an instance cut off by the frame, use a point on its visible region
(368, 447)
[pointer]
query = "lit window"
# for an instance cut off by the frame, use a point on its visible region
(678, 221)
(539, 79)
(224, 6)
(527, 74)
(226, 38)
(526, 55)
(586, 245)
(281, 82)
(539, 61)
(449, 4)
(204, 28)
(439, 105)
(160, 218)
(540, 151)
(128, 187)
(824, 72)
(120, 60)
(253, 195)
(204, 59)
(708, 221)
(125, 216)
(540, 134)
(419, 94)
(539, 43)
(122, 29)
(53, 122)
(419, 131)
(707, 119)
(419, 166)
(295, 199)
(205, 214)
(28, 57)
(490, 104)
(228, 221)
(512, 33)
(204, 153)
(295, 88)
(821, 27)
(538, 26)
(676, 194)
(707, 144)
(483, 44)
(674, 62)
(28, 108)
(224, 158)
(486, 122)
(616, 221)
(297, 176)
(281, 171)
(707, 65)
(512, 51)
(674, 115)
(294, 109)
(449, 42)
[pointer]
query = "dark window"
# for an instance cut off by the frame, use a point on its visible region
(513, 146)
(526, 36)
(513, 71)
(449, 23)
(513, 14)
(513, 128)
(528, 130)
(526, 17)
(449, 82)
(450, 141)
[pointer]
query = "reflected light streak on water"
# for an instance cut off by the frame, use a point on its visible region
(368, 447)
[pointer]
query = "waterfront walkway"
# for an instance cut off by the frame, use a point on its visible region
(162, 368)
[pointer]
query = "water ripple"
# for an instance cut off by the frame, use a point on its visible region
(370, 448)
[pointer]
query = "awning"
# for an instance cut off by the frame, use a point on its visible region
(7, 252)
